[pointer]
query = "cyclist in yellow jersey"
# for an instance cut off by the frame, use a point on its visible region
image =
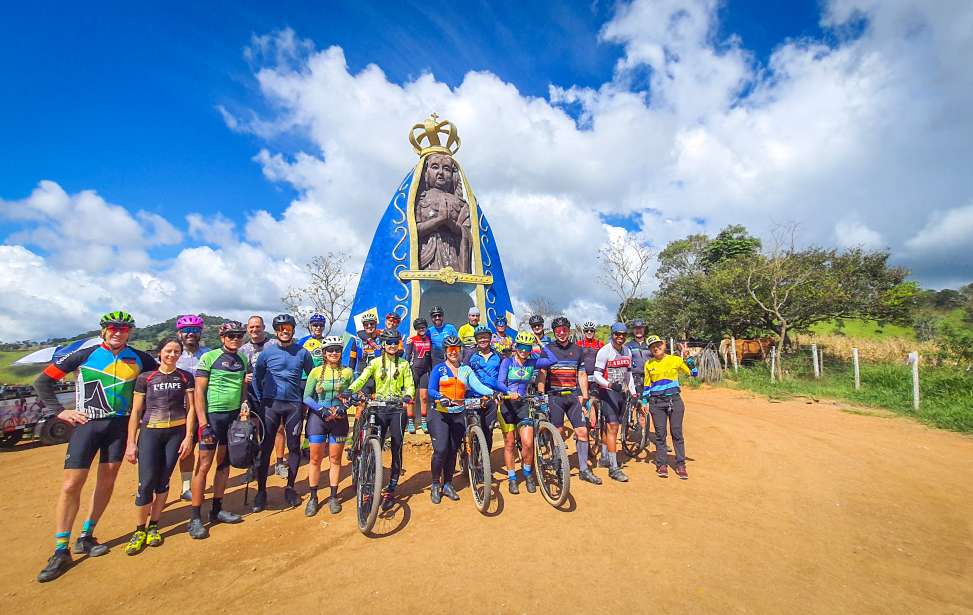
(467, 331)
(665, 403)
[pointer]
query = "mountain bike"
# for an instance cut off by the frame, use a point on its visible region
(366, 459)
(634, 434)
(474, 454)
(596, 433)
(550, 454)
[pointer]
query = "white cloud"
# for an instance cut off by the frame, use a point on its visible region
(850, 232)
(216, 229)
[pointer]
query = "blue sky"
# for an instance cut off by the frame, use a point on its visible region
(121, 97)
(194, 157)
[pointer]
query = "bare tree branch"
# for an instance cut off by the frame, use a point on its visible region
(624, 268)
(327, 292)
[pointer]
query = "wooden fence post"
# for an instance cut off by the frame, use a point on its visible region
(773, 364)
(914, 360)
(814, 360)
(672, 346)
(854, 364)
(733, 350)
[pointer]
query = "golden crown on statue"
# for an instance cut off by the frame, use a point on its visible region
(427, 140)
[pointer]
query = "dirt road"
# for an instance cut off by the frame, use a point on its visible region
(790, 508)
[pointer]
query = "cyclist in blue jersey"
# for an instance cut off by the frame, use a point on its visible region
(517, 374)
(312, 341)
(439, 331)
(485, 363)
(106, 385)
(541, 339)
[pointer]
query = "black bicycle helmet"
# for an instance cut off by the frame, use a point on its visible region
(283, 319)
(536, 319)
(560, 321)
(390, 336)
(437, 311)
(637, 322)
(451, 341)
(419, 322)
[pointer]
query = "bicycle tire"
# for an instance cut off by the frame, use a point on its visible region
(478, 468)
(367, 496)
(551, 464)
(634, 437)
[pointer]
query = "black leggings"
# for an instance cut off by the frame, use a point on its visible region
(158, 456)
(390, 424)
(487, 417)
(447, 431)
(291, 415)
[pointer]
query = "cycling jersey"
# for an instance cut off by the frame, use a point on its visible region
(614, 366)
(563, 374)
(589, 350)
(437, 336)
(662, 375)
(486, 368)
(362, 349)
(516, 377)
(393, 377)
(106, 380)
(323, 385)
(164, 397)
(502, 343)
(444, 383)
(189, 360)
(539, 344)
(466, 335)
(251, 350)
(313, 345)
(418, 352)
(279, 371)
(640, 354)
(226, 371)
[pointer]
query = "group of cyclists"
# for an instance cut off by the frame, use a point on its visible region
(153, 410)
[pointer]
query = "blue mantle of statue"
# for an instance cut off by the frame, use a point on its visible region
(393, 278)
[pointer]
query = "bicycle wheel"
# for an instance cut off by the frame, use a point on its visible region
(478, 467)
(551, 464)
(368, 484)
(633, 436)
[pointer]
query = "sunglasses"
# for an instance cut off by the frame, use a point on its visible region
(453, 348)
(561, 330)
(523, 347)
(118, 328)
(589, 330)
(329, 350)
(190, 330)
(287, 328)
(368, 325)
(233, 336)
(619, 333)
(391, 343)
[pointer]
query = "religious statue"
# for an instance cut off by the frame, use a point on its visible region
(443, 217)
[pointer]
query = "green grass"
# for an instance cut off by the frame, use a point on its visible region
(17, 374)
(864, 329)
(946, 396)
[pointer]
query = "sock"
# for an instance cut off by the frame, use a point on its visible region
(88, 527)
(153, 524)
(196, 514)
(314, 491)
(512, 474)
(280, 460)
(613, 460)
(217, 505)
(604, 451)
(334, 491)
(187, 480)
(61, 540)
(140, 528)
(527, 469)
(582, 455)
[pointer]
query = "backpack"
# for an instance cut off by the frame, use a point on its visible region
(243, 440)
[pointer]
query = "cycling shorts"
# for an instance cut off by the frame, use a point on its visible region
(566, 405)
(105, 437)
(612, 405)
(332, 431)
(512, 413)
(220, 422)
(420, 376)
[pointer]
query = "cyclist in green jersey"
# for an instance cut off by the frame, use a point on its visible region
(220, 389)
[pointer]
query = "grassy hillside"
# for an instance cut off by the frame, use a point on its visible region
(17, 374)
(863, 329)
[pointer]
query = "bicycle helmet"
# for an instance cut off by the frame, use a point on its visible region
(535, 320)
(393, 316)
(117, 317)
(419, 322)
(452, 342)
(369, 318)
(317, 319)
(653, 339)
(390, 336)
(189, 320)
(525, 338)
(283, 319)
(560, 321)
(437, 311)
(232, 326)
(588, 326)
(482, 330)
(332, 341)
(501, 322)
(637, 322)
(619, 327)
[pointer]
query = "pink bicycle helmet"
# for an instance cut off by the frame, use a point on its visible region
(189, 320)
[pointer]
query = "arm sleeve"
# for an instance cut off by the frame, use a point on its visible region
(601, 359)
(309, 393)
(548, 359)
(409, 349)
(434, 383)
(409, 386)
(44, 384)
(474, 382)
(502, 376)
(362, 378)
(259, 371)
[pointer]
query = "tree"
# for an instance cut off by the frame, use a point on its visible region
(625, 265)
(540, 305)
(732, 242)
(327, 292)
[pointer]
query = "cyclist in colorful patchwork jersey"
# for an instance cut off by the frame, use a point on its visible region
(364, 347)
(327, 422)
(517, 374)
(662, 392)
(220, 391)
(485, 362)
(567, 387)
(158, 438)
(189, 328)
(393, 381)
(418, 352)
(449, 382)
(613, 374)
(502, 342)
(313, 340)
(106, 384)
